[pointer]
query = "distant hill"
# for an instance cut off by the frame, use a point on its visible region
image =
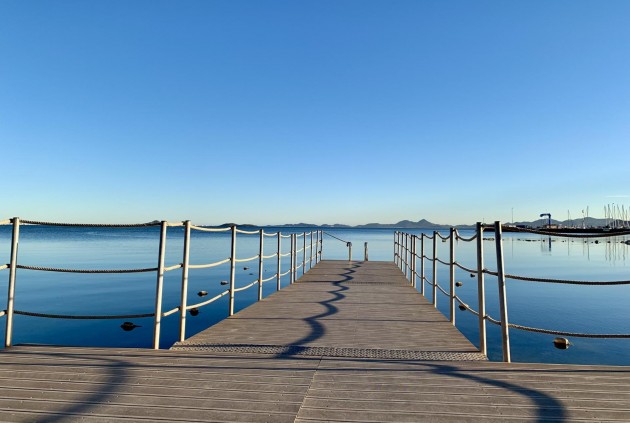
(425, 224)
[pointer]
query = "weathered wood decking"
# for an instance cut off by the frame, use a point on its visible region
(348, 342)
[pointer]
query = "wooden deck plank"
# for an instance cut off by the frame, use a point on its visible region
(332, 343)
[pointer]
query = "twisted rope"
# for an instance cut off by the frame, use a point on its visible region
(338, 239)
(55, 269)
(241, 231)
(562, 333)
(270, 234)
(176, 266)
(93, 225)
(269, 278)
(443, 262)
(201, 228)
(270, 256)
(444, 238)
(206, 266)
(86, 317)
(558, 281)
(442, 289)
(469, 308)
(567, 235)
(285, 273)
(461, 238)
(4, 266)
(243, 288)
(247, 259)
(171, 311)
(6, 222)
(211, 300)
(465, 268)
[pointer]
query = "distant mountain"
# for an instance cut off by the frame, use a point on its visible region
(425, 224)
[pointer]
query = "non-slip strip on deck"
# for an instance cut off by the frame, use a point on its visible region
(300, 350)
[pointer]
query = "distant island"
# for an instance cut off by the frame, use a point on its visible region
(588, 222)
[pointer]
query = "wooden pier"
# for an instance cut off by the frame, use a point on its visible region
(350, 341)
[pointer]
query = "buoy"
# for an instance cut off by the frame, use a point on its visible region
(202, 293)
(194, 311)
(462, 307)
(224, 282)
(561, 343)
(458, 284)
(245, 268)
(128, 326)
(472, 275)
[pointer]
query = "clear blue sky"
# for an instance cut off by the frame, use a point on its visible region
(313, 111)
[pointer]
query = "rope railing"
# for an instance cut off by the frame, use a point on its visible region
(274, 276)
(558, 281)
(185, 266)
(243, 288)
(204, 229)
(246, 259)
(333, 236)
(92, 225)
(210, 265)
(571, 235)
(210, 301)
(403, 249)
(464, 268)
(461, 238)
(83, 317)
(62, 270)
(173, 267)
(241, 231)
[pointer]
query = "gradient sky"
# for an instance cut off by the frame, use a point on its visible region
(315, 111)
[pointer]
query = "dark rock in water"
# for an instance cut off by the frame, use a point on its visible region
(224, 282)
(202, 293)
(194, 311)
(129, 326)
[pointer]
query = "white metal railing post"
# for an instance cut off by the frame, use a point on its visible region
(452, 276)
(261, 253)
(406, 255)
(310, 262)
(505, 334)
(232, 271)
(278, 277)
(304, 253)
(395, 246)
(413, 261)
(481, 291)
(184, 293)
(422, 278)
(292, 266)
(365, 252)
(435, 262)
(159, 287)
(320, 241)
(8, 335)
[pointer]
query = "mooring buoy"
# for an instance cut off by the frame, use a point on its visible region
(128, 326)
(202, 293)
(561, 343)
(194, 311)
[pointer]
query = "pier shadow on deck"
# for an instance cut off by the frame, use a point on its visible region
(349, 342)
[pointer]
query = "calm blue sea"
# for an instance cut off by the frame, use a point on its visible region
(590, 309)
